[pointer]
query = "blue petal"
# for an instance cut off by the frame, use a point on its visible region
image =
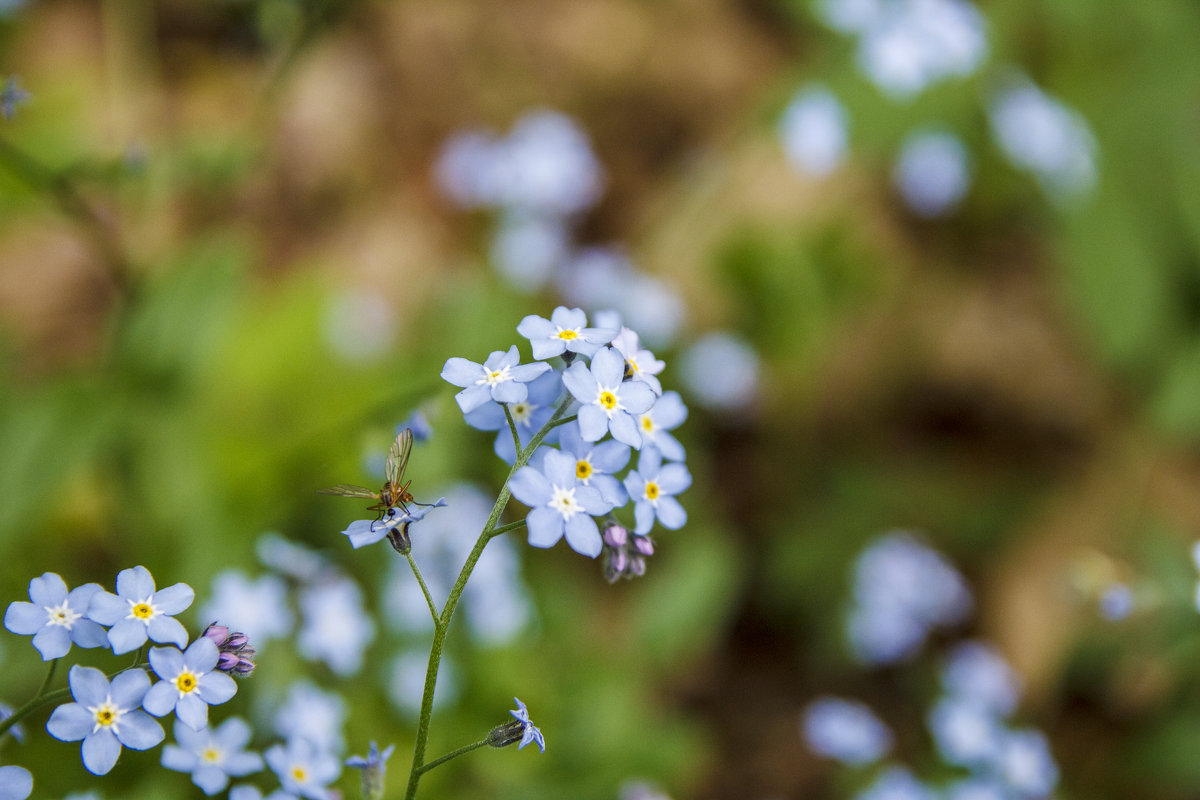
(139, 731)
(24, 618)
(624, 429)
(176, 758)
(167, 630)
(610, 489)
(559, 468)
(530, 487)
(674, 478)
(192, 711)
(473, 397)
(107, 609)
(583, 536)
(649, 462)
(126, 635)
(234, 733)
(210, 778)
(70, 722)
(167, 662)
(545, 527)
(581, 384)
(592, 501)
(461, 372)
(86, 633)
(135, 584)
(130, 687)
(52, 641)
(525, 373)
(671, 514)
(100, 751)
(608, 367)
(16, 783)
(669, 445)
(669, 410)
(161, 699)
(564, 317)
(239, 764)
(48, 590)
(636, 397)
(174, 599)
(510, 392)
(593, 423)
(216, 688)
(643, 514)
(610, 456)
(88, 685)
(201, 655)
(363, 532)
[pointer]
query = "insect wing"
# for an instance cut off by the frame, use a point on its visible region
(397, 458)
(350, 490)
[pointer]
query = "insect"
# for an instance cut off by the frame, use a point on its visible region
(394, 492)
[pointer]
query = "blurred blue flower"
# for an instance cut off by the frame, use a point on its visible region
(608, 401)
(1116, 602)
(721, 372)
(291, 559)
(655, 425)
(813, 131)
(1041, 135)
(565, 331)
(56, 617)
(374, 768)
(190, 683)
(419, 424)
(932, 172)
(598, 278)
(137, 612)
(258, 606)
(16, 783)
(978, 788)
(314, 714)
(499, 378)
(529, 415)
(1027, 765)
(335, 628)
(303, 768)
(11, 96)
(527, 248)
(896, 783)
(976, 673)
(652, 487)
(966, 734)
(105, 716)
(559, 505)
(530, 733)
(846, 731)
(212, 755)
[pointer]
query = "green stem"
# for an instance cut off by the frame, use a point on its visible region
(508, 526)
(437, 762)
(512, 427)
(565, 420)
(443, 622)
(424, 589)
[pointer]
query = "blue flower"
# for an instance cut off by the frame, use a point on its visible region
(845, 731)
(336, 629)
(313, 714)
(11, 96)
(363, 532)
(137, 612)
(190, 682)
(105, 716)
(529, 732)
(56, 617)
(559, 505)
(812, 131)
(640, 364)
(896, 783)
(528, 416)
(595, 464)
(976, 673)
(966, 734)
(212, 755)
(303, 768)
(565, 331)
(15, 783)
(499, 378)
(668, 412)
(653, 486)
(608, 401)
(1027, 765)
(373, 767)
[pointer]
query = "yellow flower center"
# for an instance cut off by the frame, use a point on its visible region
(496, 376)
(647, 423)
(583, 469)
(607, 400)
(106, 715)
(568, 335)
(651, 490)
(143, 611)
(61, 615)
(299, 774)
(186, 682)
(211, 755)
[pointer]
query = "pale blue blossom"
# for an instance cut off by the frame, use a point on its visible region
(335, 627)
(499, 378)
(526, 249)
(813, 131)
(105, 716)
(1117, 601)
(289, 558)
(313, 714)
(374, 769)
(640, 364)
(897, 783)
(604, 278)
(528, 416)
(16, 783)
(932, 172)
(1027, 764)
(364, 532)
(559, 505)
(190, 682)
(137, 612)
(652, 487)
(546, 165)
(846, 731)
(56, 618)
(608, 402)
(966, 734)
(595, 463)
(530, 733)
(303, 768)
(566, 331)
(721, 372)
(655, 426)
(212, 755)
(976, 673)
(1041, 135)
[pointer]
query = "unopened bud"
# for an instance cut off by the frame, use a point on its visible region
(506, 734)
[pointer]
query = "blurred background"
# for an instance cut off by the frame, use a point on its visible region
(919, 265)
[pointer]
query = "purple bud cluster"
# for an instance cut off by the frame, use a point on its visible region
(236, 656)
(625, 552)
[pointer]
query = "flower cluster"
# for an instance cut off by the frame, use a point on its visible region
(610, 384)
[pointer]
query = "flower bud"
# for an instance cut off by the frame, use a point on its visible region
(506, 734)
(234, 653)
(615, 535)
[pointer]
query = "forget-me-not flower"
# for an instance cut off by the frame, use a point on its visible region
(15, 783)
(56, 617)
(846, 731)
(303, 768)
(256, 606)
(565, 331)
(655, 425)
(813, 131)
(335, 629)
(137, 612)
(190, 682)
(374, 767)
(363, 532)
(1027, 765)
(559, 504)
(212, 755)
(640, 364)
(596, 463)
(932, 172)
(966, 734)
(11, 96)
(313, 714)
(976, 673)
(652, 487)
(608, 400)
(896, 783)
(500, 378)
(105, 716)
(529, 733)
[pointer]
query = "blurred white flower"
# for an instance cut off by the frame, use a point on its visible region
(932, 172)
(1041, 135)
(813, 131)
